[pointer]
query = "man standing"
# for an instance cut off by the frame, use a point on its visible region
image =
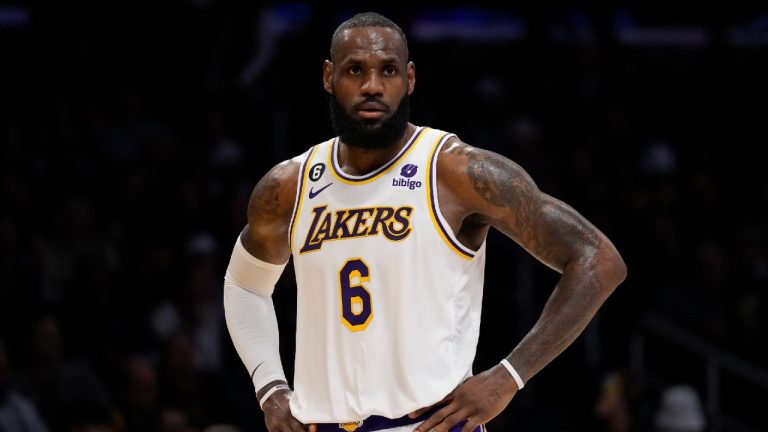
(386, 224)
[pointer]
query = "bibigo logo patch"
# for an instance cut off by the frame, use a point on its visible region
(406, 172)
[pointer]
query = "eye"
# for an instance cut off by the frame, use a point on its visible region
(355, 70)
(390, 71)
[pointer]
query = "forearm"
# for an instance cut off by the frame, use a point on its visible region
(250, 316)
(582, 289)
(252, 325)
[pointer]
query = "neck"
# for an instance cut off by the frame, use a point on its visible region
(360, 161)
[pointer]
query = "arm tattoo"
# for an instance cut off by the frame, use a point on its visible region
(266, 203)
(269, 212)
(558, 236)
(496, 179)
(502, 183)
(548, 228)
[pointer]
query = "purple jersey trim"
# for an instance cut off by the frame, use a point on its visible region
(335, 161)
(297, 206)
(433, 201)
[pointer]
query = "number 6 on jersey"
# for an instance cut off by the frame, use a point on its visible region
(356, 308)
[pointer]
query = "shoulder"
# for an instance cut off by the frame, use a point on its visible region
(481, 176)
(286, 171)
(283, 175)
(455, 151)
(459, 155)
(275, 193)
(270, 207)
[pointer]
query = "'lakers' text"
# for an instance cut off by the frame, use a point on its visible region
(392, 223)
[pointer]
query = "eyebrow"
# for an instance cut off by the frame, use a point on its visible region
(361, 59)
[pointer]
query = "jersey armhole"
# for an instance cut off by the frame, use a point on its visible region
(441, 225)
(300, 183)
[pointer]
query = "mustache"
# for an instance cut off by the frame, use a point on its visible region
(372, 99)
(359, 133)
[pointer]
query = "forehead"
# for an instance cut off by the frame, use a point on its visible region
(366, 41)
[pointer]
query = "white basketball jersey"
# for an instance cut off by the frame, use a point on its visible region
(388, 307)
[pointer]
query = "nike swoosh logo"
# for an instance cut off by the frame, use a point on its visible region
(313, 194)
(254, 370)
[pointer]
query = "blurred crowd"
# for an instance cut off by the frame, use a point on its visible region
(131, 136)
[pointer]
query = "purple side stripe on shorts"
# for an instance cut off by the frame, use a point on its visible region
(378, 423)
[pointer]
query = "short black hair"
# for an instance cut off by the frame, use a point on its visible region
(367, 19)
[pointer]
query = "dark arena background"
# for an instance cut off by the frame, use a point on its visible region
(132, 132)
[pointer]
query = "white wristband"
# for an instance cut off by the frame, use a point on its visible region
(270, 392)
(513, 372)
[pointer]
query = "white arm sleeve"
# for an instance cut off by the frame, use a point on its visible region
(250, 315)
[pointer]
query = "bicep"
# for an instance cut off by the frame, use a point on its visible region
(508, 199)
(269, 214)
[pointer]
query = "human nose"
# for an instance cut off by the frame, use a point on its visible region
(372, 84)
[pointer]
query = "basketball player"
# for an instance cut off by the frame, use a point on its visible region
(386, 224)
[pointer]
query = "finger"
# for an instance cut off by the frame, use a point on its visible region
(436, 418)
(304, 427)
(419, 412)
(470, 425)
(452, 420)
(296, 426)
(286, 424)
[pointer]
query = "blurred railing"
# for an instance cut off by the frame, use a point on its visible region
(715, 361)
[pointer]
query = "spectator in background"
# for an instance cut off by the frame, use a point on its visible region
(174, 420)
(67, 391)
(613, 406)
(196, 310)
(680, 410)
(137, 392)
(195, 394)
(17, 413)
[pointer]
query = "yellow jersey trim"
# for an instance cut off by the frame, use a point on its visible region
(300, 194)
(344, 178)
(432, 200)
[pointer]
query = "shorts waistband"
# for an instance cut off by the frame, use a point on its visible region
(374, 423)
(377, 423)
(370, 424)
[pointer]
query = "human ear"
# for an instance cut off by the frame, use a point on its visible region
(328, 76)
(411, 77)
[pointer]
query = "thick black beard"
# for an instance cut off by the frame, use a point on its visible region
(369, 136)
